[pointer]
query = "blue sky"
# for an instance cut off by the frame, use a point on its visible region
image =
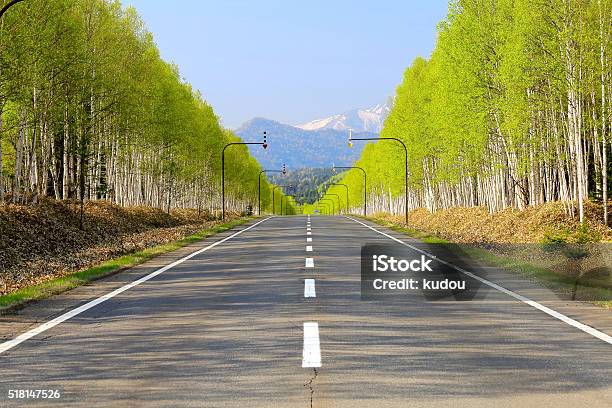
(291, 61)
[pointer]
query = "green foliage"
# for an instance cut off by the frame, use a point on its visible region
(306, 182)
(508, 110)
(85, 94)
(562, 236)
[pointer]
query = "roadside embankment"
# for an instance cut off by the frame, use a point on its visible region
(544, 244)
(475, 225)
(43, 242)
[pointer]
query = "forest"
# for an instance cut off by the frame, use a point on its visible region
(90, 111)
(305, 182)
(511, 109)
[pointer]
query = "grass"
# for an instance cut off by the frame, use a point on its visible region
(413, 233)
(61, 284)
(599, 296)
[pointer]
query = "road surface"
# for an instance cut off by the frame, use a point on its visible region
(271, 316)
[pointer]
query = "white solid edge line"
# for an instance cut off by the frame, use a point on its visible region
(581, 326)
(7, 345)
(311, 354)
(308, 248)
(309, 288)
(308, 239)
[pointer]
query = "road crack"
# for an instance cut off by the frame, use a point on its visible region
(310, 385)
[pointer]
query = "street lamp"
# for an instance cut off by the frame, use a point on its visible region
(322, 207)
(295, 205)
(283, 171)
(331, 201)
(365, 185)
(287, 203)
(337, 198)
(8, 5)
(264, 145)
(275, 187)
(347, 194)
(405, 160)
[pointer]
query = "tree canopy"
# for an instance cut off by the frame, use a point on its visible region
(511, 109)
(89, 110)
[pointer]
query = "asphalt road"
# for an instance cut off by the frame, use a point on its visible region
(238, 325)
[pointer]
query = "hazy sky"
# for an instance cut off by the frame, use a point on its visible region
(291, 61)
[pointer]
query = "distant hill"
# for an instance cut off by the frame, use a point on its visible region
(306, 182)
(299, 148)
(360, 120)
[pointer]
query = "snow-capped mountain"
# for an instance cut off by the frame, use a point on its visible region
(360, 120)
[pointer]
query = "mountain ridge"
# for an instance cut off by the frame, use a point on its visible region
(299, 148)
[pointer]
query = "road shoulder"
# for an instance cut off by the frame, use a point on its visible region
(584, 312)
(36, 312)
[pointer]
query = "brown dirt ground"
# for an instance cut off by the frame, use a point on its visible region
(532, 225)
(520, 235)
(38, 242)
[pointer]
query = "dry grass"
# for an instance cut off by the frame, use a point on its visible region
(45, 241)
(542, 243)
(548, 222)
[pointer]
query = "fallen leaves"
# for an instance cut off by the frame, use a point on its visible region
(478, 225)
(44, 241)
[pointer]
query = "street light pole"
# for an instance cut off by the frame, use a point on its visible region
(331, 201)
(323, 207)
(283, 170)
(287, 203)
(7, 6)
(365, 186)
(273, 190)
(405, 161)
(264, 145)
(347, 194)
(337, 198)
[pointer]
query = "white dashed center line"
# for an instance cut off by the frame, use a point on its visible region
(309, 288)
(311, 355)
